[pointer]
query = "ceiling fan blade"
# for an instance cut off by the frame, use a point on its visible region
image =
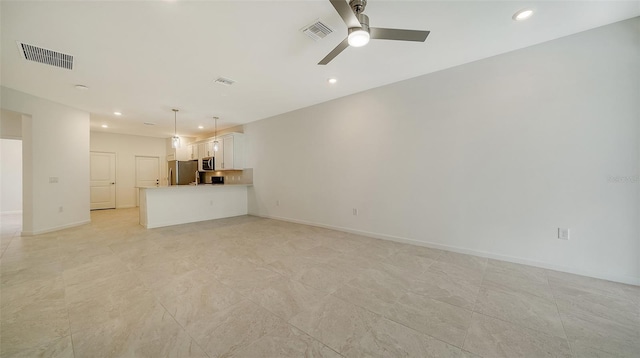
(397, 34)
(345, 12)
(335, 52)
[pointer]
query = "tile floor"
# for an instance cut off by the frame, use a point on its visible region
(252, 287)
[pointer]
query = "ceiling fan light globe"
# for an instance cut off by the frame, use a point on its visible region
(358, 38)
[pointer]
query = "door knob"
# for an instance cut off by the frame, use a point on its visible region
(112, 183)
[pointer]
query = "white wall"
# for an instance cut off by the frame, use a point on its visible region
(127, 147)
(10, 176)
(487, 158)
(10, 124)
(55, 145)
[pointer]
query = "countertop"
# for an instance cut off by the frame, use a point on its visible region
(194, 186)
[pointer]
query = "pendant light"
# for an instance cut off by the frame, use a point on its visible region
(215, 135)
(175, 140)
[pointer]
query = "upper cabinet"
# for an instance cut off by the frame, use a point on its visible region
(192, 151)
(182, 153)
(230, 154)
(205, 149)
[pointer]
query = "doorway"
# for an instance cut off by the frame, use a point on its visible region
(103, 180)
(147, 173)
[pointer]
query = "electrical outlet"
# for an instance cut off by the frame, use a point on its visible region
(210, 202)
(563, 234)
(60, 209)
(53, 180)
(355, 212)
(277, 202)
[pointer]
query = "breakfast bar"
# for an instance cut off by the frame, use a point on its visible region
(181, 204)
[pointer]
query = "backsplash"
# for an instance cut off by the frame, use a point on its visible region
(230, 176)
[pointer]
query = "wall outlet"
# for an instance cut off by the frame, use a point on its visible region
(53, 180)
(277, 202)
(355, 212)
(210, 202)
(60, 209)
(563, 234)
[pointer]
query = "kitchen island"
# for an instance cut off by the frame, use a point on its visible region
(181, 204)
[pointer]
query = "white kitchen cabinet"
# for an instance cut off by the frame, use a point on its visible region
(182, 153)
(230, 154)
(192, 151)
(205, 149)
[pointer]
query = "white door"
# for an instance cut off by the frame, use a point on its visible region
(103, 180)
(147, 173)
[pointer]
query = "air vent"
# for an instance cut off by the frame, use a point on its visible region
(317, 31)
(224, 81)
(48, 57)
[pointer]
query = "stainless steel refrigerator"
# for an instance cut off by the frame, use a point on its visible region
(182, 172)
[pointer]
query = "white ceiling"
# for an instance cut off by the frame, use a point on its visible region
(143, 58)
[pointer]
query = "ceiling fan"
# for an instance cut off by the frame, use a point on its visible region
(360, 32)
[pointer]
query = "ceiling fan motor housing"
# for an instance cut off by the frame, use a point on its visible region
(364, 22)
(358, 5)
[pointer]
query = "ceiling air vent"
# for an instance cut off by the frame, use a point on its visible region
(317, 30)
(224, 81)
(48, 57)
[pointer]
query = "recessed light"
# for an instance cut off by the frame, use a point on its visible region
(522, 15)
(117, 113)
(105, 126)
(200, 127)
(81, 87)
(332, 80)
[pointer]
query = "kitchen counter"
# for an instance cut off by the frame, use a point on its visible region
(181, 204)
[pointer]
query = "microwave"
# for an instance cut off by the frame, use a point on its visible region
(208, 163)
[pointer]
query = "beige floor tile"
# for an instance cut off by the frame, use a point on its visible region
(375, 290)
(325, 277)
(194, 298)
(101, 267)
(521, 309)
(61, 347)
(438, 319)
(449, 283)
(32, 292)
(473, 263)
(237, 327)
(249, 281)
(594, 285)
(580, 303)
(24, 335)
(490, 337)
(595, 333)
(390, 339)
(227, 288)
(506, 281)
(286, 298)
(335, 322)
(423, 251)
(285, 342)
(410, 261)
(143, 325)
(31, 274)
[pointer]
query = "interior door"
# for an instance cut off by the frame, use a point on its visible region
(147, 173)
(103, 180)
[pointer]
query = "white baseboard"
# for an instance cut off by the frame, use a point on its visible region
(14, 212)
(631, 280)
(57, 228)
